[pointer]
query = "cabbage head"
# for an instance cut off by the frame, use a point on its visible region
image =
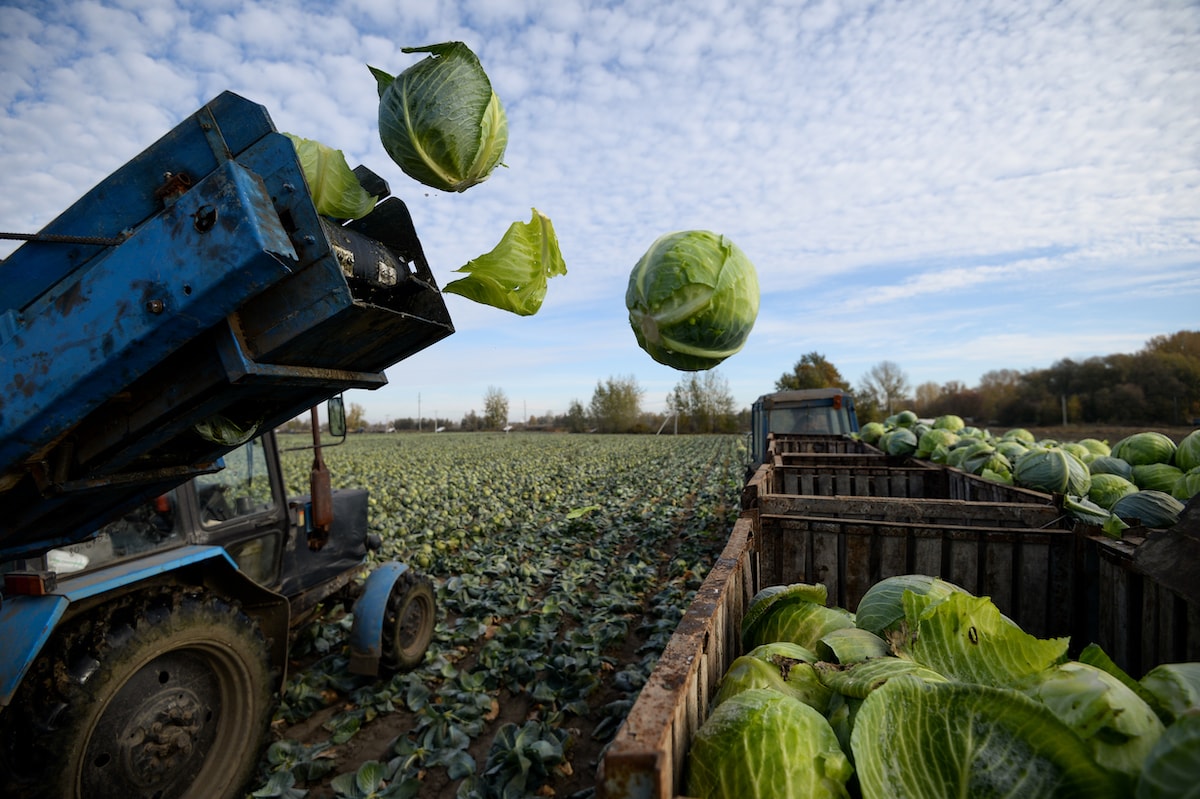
(761, 744)
(1187, 454)
(1149, 508)
(1096, 447)
(1158, 476)
(440, 121)
(914, 739)
(794, 619)
(779, 673)
(931, 439)
(1107, 464)
(1171, 767)
(881, 608)
(1053, 470)
(692, 299)
(1145, 447)
(1108, 488)
(1187, 486)
(1020, 434)
(949, 422)
(871, 432)
(898, 442)
(1118, 725)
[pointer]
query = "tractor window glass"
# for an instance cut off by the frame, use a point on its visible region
(242, 488)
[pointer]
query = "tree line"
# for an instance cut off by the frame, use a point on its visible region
(697, 404)
(1159, 384)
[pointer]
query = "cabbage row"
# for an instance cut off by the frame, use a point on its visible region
(928, 691)
(1142, 480)
(562, 565)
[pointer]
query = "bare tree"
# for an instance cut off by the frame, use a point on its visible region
(888, 384)
(495, 408)
(926, 396)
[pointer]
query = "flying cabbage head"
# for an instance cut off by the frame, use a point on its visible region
(440, 121)
(692, 299)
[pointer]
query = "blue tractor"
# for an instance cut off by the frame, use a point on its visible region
(152, 338)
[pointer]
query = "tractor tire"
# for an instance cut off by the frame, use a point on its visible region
(166, 695)
(408, 623)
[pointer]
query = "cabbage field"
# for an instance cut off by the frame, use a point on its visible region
(561, 564)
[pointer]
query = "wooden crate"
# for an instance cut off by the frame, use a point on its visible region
(646, 759)
(1028, 572)
(1136, 619)
(1013, 546)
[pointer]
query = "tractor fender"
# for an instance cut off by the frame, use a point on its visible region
(370, 609)
(27, 622)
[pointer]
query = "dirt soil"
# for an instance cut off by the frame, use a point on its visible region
(575, 779)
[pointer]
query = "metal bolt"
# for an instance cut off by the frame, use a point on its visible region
(310, 239)
(289, 188)
(155, 306)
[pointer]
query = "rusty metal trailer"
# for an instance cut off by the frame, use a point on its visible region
(836, 511)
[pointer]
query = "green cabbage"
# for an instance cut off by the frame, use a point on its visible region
(898, 442)
(1020, 434)
(1170, 769)
(1187, 486)
(1145, 447)
(779, 673)
(796, 620)
(1096, 447)
(1053, 470)
(440, 121)
(859, 679)
(692, 300)
(1149, 508)
(949, 422)
(932, 439)
(1118, 725)
(1187, 454)
(882, 607)
(1156, 476)
(1107, 464)
(916, 739)
(513, 276)
(851, 645)
(871, 432)
(761, 744)
(334, 187)
(1106, 489)
(1174, 687)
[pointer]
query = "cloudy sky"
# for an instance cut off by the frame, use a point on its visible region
(956, 187)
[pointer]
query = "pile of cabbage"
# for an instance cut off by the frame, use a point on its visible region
(1142, 480)
(928, 691)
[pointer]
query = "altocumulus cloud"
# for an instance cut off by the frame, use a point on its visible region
(953, 187)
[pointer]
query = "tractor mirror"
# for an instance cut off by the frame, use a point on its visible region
(336, 411)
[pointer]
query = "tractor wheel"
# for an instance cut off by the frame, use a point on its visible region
(168, 696)
(408, 623)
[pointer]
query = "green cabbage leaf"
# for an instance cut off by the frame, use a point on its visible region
(967, 638)
(514, 275)
(917, 739)
(334, 188)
